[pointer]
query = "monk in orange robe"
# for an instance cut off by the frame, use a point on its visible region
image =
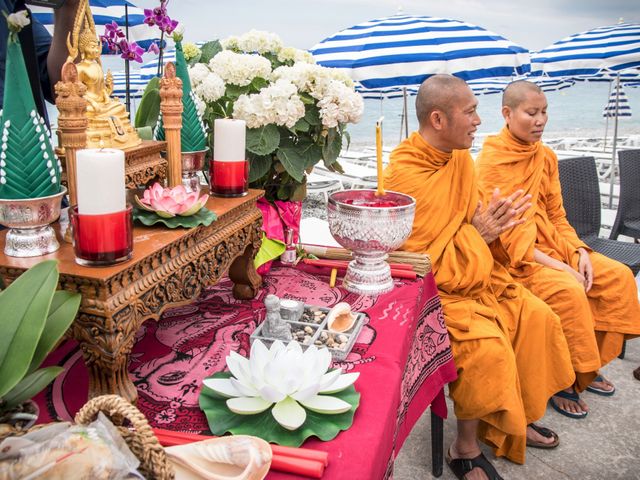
(595, 297)
(508, 345)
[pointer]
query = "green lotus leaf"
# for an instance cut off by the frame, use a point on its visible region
(204, 217)
(326, 427)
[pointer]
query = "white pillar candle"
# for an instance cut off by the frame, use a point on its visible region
(100, 181)
(229, 138)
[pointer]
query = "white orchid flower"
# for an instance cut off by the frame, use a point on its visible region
(287, 377)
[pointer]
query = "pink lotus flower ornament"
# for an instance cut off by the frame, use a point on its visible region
(169, 202)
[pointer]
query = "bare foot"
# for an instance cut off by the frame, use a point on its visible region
(475, 474)
(603, 384)
(534, 436)
(570, 406)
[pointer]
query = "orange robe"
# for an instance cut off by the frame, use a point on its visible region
(595, 323)
(508, 345)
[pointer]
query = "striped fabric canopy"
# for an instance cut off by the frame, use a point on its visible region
(107, 11)
(404, 50)
(497, 85)
(611, 48)
(624, 109)
(136, 85)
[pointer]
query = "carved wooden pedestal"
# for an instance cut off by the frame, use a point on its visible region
(168, 268)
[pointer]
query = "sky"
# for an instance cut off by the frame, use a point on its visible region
(302, 24)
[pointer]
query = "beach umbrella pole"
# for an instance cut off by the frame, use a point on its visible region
(606, 123)
(406, 112)
(615, 142)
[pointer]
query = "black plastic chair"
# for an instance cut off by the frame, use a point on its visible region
(581, 198)
(628, 217)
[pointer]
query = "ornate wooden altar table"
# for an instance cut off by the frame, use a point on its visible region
(168, 268)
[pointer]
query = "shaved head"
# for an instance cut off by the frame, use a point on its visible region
(438, 92)
(516, 92)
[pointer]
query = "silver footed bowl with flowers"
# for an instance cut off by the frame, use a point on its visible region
(174, 207)
(370, 226)
(29, 221)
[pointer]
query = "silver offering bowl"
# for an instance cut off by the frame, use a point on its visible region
(29, 221)
(370, 226)
(192, 163)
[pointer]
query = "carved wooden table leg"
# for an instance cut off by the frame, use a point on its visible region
(106, 345)
(246, 281)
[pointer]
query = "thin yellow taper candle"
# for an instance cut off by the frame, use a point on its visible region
(379, 156)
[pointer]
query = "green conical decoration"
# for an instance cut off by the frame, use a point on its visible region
(193, 135)
(28, 166)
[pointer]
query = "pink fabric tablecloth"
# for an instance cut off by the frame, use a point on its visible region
(402, 354)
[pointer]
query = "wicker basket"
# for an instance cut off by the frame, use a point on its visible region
(135, 430)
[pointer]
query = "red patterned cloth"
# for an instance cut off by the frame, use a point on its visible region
(402, 354)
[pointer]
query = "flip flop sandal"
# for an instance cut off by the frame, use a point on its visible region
(574, 397)
(545, 432)
(461, 466)
(600, 391)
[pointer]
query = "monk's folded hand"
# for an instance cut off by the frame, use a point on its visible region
(501, 214)
(585, 269)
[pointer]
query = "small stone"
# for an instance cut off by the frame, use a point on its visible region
(324, 336)
(318, 343)
(330, 343)
(343, 338)
(308, 330)
(307, 339)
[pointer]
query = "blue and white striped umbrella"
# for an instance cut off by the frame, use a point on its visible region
(612, 48)
(497, 85)
(107, 11)
(404, 50)
(618, 97)
(136, 85)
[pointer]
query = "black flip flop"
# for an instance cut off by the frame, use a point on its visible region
(461, 466)
(545, 432)
(600, 391)
(574, 397)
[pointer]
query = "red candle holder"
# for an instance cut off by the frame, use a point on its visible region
(104, 239)
(229, 179)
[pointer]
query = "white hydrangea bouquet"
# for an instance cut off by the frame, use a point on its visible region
(296, 111)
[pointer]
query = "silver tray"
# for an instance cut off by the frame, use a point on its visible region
(318, 327)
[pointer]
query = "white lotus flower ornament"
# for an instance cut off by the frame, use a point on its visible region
(287, 377)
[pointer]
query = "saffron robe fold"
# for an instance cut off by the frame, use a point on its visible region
(508, 345)
(595, 323)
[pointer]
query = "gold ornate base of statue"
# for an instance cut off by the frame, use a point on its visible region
(109, 124)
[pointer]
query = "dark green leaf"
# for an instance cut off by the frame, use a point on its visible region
(301, 126)
(30, 386)
(210, 50)
(234, 91)
(62, 312)
(24, 306)
(307, 99)
(263, 425)
(312, 115)
(332, 146)
(258, 84)
(293, 162)
(264, 140)
(204, 217)
(259, 165)
(149, 107)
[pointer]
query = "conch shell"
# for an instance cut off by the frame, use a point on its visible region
(340, 318)
(238, 457)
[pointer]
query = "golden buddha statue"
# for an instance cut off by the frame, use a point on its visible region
(109, 124)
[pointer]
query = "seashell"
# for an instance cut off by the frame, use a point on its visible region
(239, 457)
(340, 318)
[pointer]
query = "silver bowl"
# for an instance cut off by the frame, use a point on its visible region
(29, 221)
(370, 232)
(192, 163)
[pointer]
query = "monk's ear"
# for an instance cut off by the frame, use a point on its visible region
(506, 112)
(436, 118)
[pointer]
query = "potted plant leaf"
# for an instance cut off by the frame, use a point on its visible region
(34, 318)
